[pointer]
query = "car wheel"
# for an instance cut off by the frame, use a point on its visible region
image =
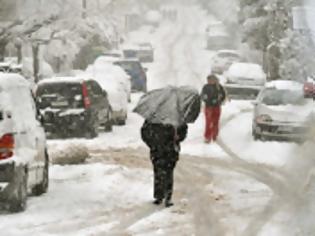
(18, 201)
(43, 186)
(122, 121)
(91, 132)
(109, 124)
(256, 136)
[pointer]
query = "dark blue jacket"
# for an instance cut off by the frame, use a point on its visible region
(163, 140)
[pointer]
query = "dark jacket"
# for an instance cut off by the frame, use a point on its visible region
(213, 95)
(163, 140)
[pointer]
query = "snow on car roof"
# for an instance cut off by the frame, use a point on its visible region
(134, 59)
(106, 59)
(228, 51)
(246, 70)
(77, 79)
(284, 85)
(10, 80)
(106, 70)
(110, 60)
(137, 46)
(130, 47)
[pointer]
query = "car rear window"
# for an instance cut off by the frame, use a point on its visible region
(228, 54)
(130, 53)
(60, 95)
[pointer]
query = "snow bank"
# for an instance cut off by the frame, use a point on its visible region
(67, 153)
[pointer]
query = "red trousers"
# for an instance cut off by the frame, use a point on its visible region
(212, 115)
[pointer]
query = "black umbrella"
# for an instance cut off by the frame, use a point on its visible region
(170, 105)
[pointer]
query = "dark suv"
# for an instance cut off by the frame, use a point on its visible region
(73, 107)
(137, 73)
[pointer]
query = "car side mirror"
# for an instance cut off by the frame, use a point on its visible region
(145, 69)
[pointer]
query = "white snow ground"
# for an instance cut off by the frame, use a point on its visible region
(232, 187)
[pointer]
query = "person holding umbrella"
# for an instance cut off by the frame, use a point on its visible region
(167, 112)
(213, 94)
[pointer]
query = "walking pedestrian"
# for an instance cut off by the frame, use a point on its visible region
(213, 94)
(164, 143)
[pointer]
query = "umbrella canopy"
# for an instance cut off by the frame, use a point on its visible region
(170, 105)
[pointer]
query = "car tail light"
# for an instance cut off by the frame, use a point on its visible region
(263, 119)
(6, 146)
(86, 99)
(309, 87)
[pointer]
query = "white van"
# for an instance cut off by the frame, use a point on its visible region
(24, 160)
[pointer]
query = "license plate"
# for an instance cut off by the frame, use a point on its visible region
(60, 103)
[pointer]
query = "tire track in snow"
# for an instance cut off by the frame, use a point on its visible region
(275, 178)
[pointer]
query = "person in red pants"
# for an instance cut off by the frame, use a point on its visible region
(213, 94)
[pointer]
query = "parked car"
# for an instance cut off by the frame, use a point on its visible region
(73, 107)
(244, 80)
(132, 67)
(153, 18)
(103, 63)
(223, 59)
(143, 51)
(113, 53)
(137, 73)
(281, 112)
(114, 80)
(24, 160)
(218, 37)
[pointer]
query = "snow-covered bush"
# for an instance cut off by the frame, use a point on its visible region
(297, 57)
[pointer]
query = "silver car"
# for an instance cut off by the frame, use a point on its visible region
(281, 112)
(244, 80)
(223, 59)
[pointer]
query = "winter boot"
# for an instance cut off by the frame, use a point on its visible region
(169, 203)
(157, 201)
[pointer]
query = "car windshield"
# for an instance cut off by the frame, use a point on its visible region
(274, 97)
(130, 53)
(60, 95)
(228, 55)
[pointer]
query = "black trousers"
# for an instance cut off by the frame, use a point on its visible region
(163, 179)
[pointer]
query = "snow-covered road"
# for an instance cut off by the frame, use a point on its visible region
(233, 187)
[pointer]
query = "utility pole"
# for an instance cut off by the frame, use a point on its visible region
(84, 8)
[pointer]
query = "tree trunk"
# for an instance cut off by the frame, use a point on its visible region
(19, 53)
(84, 8)
(58, 64)
(35, 51)
(3, 44)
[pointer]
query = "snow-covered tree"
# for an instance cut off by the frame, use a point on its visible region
(267, 26)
